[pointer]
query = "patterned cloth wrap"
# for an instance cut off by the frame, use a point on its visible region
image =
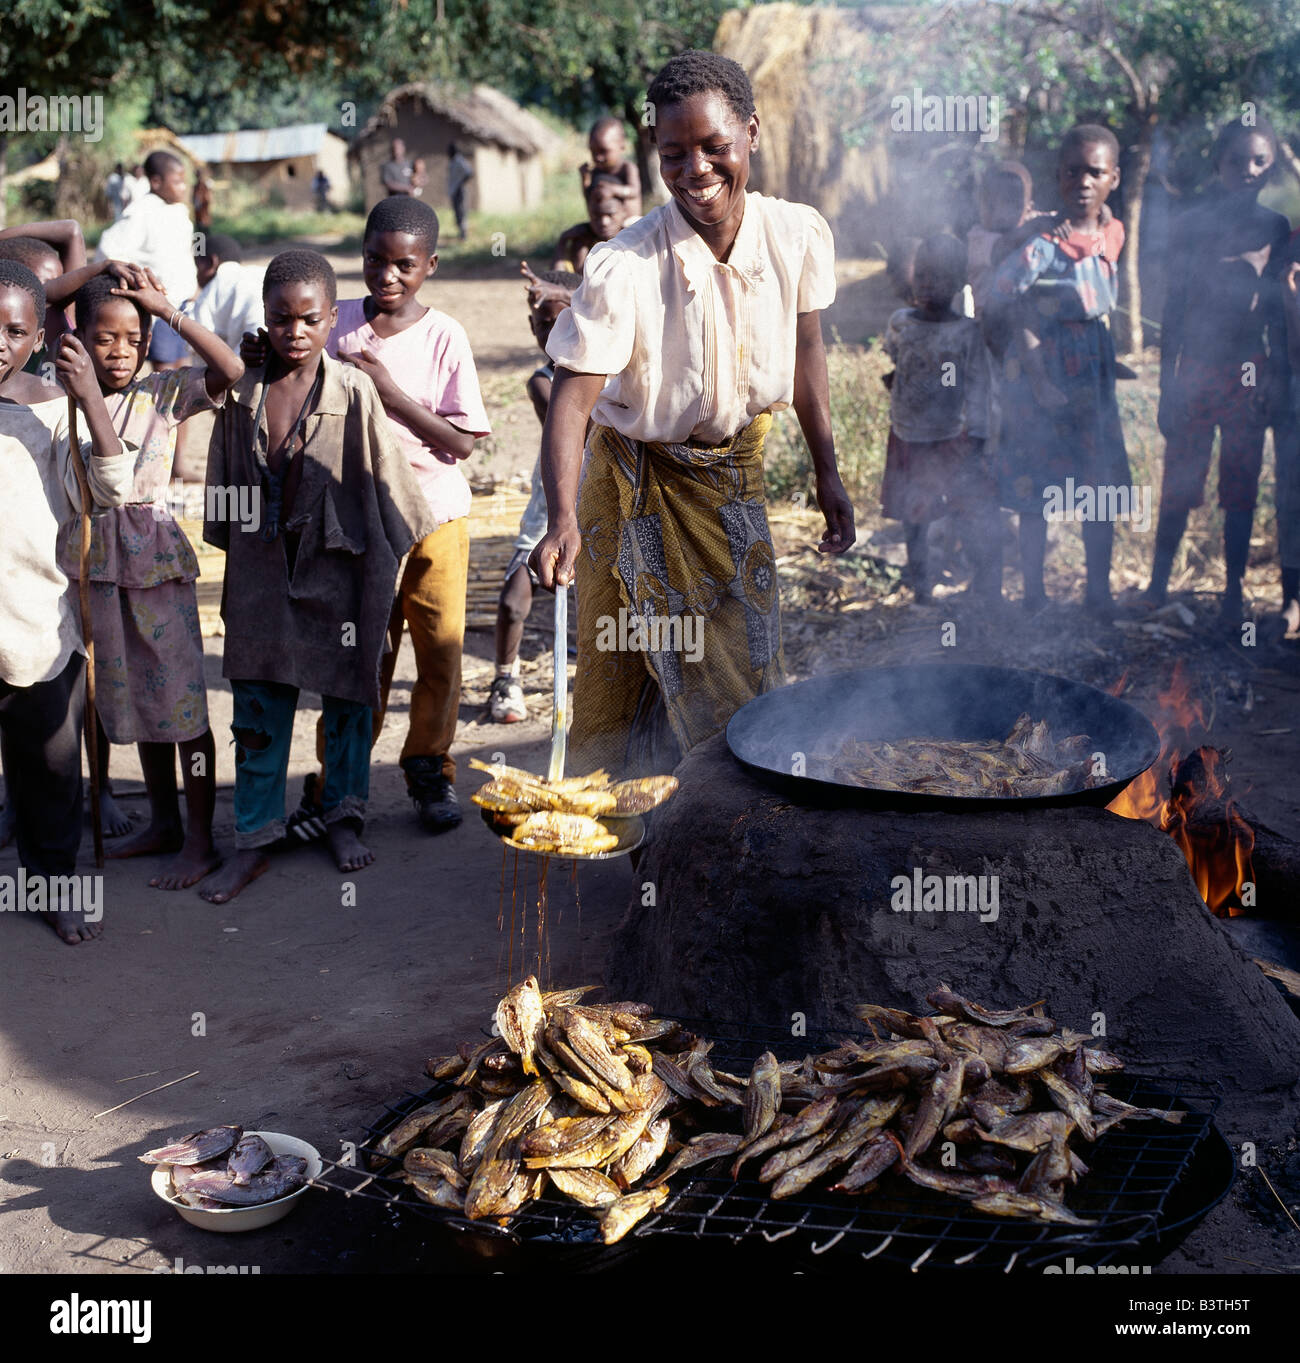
(672, 531)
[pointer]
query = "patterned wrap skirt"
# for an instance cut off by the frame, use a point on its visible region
(674, 539)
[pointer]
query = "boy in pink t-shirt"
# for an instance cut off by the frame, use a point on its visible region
(420, 362)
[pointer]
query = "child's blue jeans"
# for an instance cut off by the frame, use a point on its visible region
(263, 728)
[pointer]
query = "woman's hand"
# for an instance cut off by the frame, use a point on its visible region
(555, 557)
(838, 510)
(76, 373)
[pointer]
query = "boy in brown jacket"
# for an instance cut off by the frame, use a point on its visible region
(310, 578)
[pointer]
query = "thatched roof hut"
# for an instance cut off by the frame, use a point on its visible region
(506, 144)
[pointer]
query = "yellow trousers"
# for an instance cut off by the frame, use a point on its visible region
(431, 601)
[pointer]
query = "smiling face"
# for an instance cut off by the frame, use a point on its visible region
(1086, 176)
(394, 265)
(299, 317)
(1246, 163)
(118, 343)
(19, 334)
(704, 150)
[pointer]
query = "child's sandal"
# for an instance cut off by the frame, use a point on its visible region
(305, 823)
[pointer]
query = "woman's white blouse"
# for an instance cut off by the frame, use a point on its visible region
(695, 347)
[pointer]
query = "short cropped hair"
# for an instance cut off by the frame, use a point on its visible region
(92, 296)
(604, 123)
(300, 267)
(946, 253)
(601, 179)
(403, 213)
(223, 247)
(158, 163)
(29, 251)
(702, 73)
(1090, 134)
(14, 274)
(1003, 172)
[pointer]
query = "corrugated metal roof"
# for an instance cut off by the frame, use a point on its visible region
(257, 144)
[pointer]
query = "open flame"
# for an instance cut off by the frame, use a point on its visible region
(1198, 811)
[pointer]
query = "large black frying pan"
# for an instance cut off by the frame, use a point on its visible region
(931, 700)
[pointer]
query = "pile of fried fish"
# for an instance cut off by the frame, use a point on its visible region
(1027, 763)
(562, 817)
(222, 1167)
(588, 1099)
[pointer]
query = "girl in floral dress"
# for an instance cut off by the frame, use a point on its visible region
(148, 648)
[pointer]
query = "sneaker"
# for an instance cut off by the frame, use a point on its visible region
(434, 796)
(506, 701)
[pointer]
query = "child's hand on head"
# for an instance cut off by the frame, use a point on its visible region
(149, 295)
(76, 372)
(128, 275)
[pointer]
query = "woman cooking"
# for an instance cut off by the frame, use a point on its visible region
(690, 328)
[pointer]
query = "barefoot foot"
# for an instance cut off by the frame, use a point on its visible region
(350, 853)
(189, 867)
(240, 871)
(148, 842)
(73, 926)
(112, 816)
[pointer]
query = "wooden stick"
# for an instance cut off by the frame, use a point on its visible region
(145, 1094)
(87, 629)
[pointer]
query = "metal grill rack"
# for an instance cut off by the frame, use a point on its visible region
(1144, 1181)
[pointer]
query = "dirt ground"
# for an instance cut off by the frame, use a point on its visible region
(315, 997)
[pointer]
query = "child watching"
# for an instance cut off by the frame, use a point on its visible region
(1222, 315)
(307, 599)
(149, 656)
(155, 231)
(938, 421)
(1005, 201)
(229, 300)
(548, 295)
(606, 216)
(41, 652)
(423, 370)
(1060, 418)
(607, 143)
(50, 250)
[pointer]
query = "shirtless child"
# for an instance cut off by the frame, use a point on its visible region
(307, 597)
